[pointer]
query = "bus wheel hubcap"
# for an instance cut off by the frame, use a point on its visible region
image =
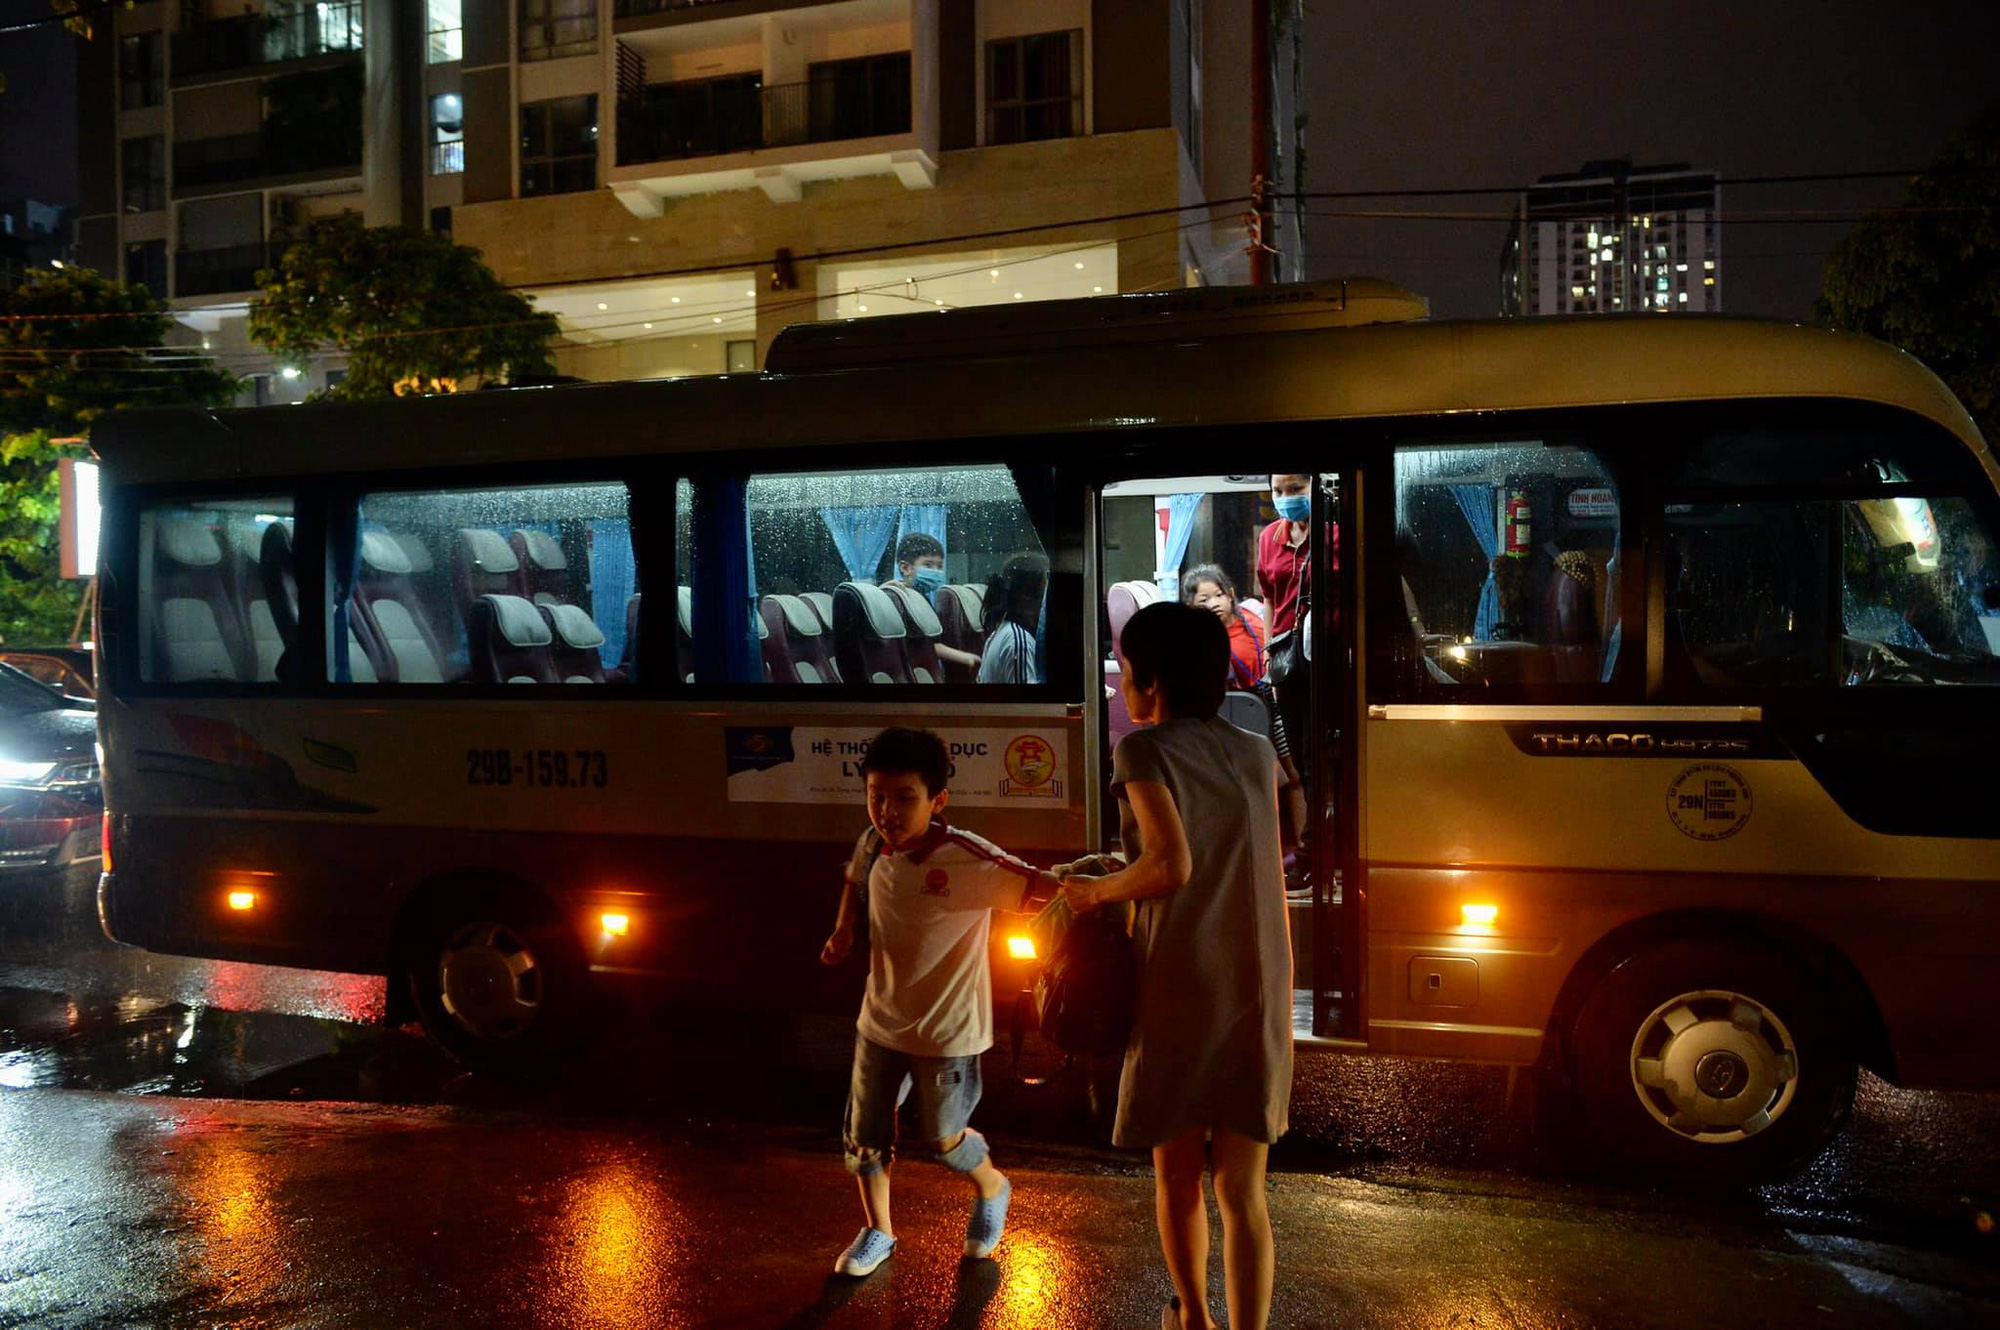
(489, 982)
(1714, 1066)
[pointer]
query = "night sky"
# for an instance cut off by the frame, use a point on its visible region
(1473, 93)
(38, 110)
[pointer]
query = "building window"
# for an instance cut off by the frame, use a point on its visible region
(559, 146)
(740, 357)
(446, 31)
(447, 134)
(139, 71)
(554, 29)
(145, 174)
(146, 265)
(1034, 87)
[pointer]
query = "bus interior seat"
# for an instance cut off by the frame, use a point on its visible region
(628, 659)
(544, 567)
(1569, 620)
(1124, 600)
(1247, 711)
(198, 632)
(796, 649)
(921, 631)
(684, 633)
(483, 564)
(576, 644)
(958, 609)
(246, 571)
(388, 599)
(510, 641)
(868, 635)
(822, 604)
(431, 590)
(281, 581)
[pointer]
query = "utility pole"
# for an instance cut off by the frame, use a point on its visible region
(1261, 232)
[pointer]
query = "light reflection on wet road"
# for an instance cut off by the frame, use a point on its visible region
(1917, 1170)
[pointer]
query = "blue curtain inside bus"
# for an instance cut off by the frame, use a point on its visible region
(343, 543)
(1478, 503)
(1181, 509)
(924, 519)
(613, 578)
(861, 533)
(725, 638)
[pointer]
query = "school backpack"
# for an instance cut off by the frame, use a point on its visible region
(1086, 995)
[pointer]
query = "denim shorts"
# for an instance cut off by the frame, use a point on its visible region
(947, 1092)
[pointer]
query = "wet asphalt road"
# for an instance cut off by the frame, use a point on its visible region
(373, 1184)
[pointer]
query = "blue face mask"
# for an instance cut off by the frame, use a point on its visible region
(926, 580)
(1293, 507)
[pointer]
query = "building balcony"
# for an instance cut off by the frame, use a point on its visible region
(208, 272)
(218, 46)
(718, 116)
(234, 159)
(852, 118)
(690, 11)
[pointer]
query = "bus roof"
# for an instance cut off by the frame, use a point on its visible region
(1381, 370)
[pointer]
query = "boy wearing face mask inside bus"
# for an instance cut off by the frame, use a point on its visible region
(920, 566)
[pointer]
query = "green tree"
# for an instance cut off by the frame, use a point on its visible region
(411, 311)
(74, 347)
(1926, 276)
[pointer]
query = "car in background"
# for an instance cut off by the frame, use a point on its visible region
(51, 801)
(65, 669)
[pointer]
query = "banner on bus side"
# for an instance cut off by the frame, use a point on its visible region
(990, 768)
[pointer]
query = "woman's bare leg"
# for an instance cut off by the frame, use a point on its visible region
(1182, 1214)
(1248, 1259)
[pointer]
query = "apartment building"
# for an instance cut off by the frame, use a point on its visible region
(1615, 238)
(678, 179)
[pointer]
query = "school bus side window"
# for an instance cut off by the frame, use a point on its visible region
(534, 584)
(218, 593)
(1507, 555)
(911, 576)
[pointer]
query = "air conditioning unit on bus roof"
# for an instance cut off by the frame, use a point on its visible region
(987, 330)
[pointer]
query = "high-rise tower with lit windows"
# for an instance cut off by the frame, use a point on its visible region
(1615, 238)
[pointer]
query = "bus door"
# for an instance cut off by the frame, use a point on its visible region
(1196, 538)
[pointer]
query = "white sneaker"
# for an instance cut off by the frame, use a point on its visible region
(871, 1247)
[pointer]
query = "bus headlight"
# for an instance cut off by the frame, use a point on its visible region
(614, 925)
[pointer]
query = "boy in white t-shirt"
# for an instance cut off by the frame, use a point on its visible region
(928, 1013)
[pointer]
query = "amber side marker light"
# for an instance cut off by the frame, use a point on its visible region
(1479, 915)
(242, 900)
(1021, 947)
(615, 925)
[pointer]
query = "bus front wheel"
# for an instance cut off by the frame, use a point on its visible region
(1713, 1064)
(498, 982)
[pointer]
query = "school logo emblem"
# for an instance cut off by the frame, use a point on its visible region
(1031, 767)
(937, 882)
(1709, 802)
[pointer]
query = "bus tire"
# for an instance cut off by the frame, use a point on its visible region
(498, 982)
(1705, 1063)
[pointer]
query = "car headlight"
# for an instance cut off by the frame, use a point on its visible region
(24, 773)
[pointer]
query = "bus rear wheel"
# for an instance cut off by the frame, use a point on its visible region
(1707, 1064)
(499, 984)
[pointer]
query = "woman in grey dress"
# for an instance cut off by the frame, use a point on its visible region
(1208, 1073)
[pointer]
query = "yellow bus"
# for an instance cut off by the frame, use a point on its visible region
(1650, 680)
